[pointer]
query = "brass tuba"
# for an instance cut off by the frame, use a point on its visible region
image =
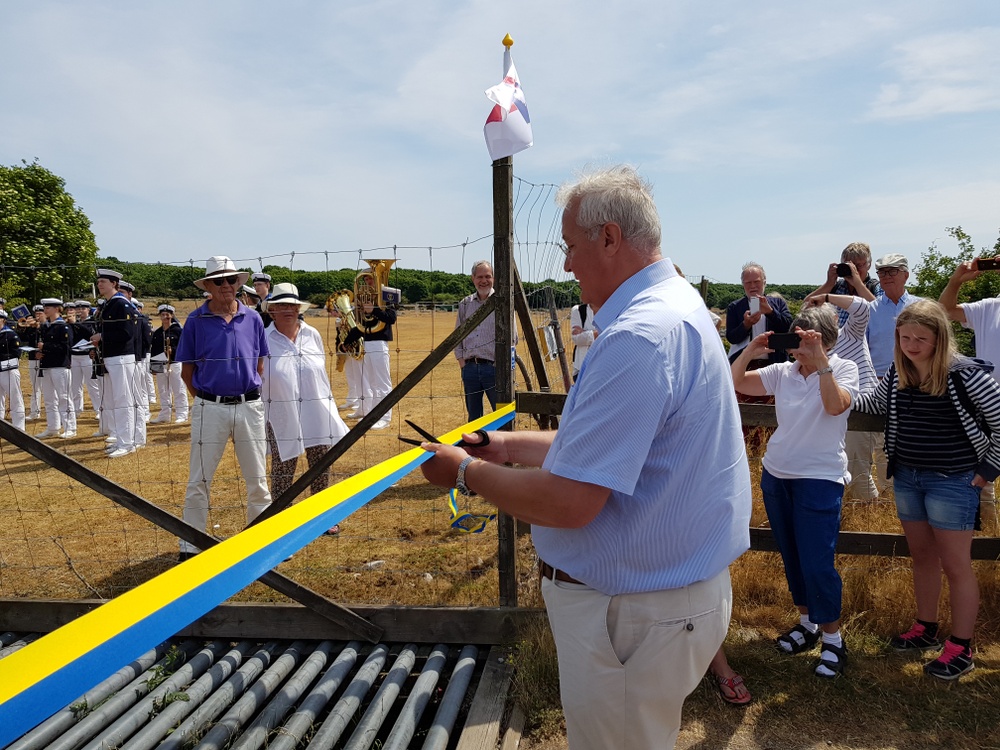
(368, 291)
(341, 302)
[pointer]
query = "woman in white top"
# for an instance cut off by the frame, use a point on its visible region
(299, 408)
(581, 321)
(805, 468)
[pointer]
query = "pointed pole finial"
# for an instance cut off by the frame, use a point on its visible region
(508, 42)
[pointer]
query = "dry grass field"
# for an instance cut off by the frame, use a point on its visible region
(60, 540)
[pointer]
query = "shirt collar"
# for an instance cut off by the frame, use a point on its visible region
(651, 275)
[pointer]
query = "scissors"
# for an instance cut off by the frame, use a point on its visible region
(428, 438)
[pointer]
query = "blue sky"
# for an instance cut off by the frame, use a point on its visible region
(773, 131)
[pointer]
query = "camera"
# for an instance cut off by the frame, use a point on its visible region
(780, 342)
(988, 264)
(844, 270)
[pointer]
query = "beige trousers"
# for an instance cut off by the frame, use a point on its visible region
(627, 662)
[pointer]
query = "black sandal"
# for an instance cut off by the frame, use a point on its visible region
(809, 640)
(837, 667)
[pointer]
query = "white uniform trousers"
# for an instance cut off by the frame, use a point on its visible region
(140, 415)
(352, 372)
(10, 387)
(172, 393)
(627, 662)
(376, 378)
(118, 400)
(35, 409)
(59, 414)
(80, 370)
(212, 425)
(94, 387)
(150, 383)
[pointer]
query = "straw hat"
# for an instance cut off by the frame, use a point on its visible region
(285, 293)
(219, 266)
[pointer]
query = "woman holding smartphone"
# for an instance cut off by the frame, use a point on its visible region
(804, 472)
(942, 438)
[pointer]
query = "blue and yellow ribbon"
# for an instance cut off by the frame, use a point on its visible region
(48, 674)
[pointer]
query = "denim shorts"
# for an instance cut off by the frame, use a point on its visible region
(945, 501)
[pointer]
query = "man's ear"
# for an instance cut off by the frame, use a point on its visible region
(611, 235)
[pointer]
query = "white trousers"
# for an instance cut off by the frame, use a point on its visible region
(118, 400)
(212, 426)
(172, 393)
(79, 373)
(352, 371)
(376, 378)
(59, 412)
(627, 662)
(150, 384)
(10, 389)
(35, 409)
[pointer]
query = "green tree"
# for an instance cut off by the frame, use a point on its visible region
(936, 268)
(46, 245)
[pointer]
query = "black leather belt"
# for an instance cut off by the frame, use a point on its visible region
(547, 571)
(479, 360)
(248, 396)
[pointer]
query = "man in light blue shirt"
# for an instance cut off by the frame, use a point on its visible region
(893, 271)
(642, 499)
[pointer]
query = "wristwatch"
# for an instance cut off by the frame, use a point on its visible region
(824, 371)
(460, 484)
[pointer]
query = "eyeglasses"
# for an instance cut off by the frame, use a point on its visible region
(893, 271)
(231, 280)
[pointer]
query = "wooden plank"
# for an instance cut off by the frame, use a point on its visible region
(874, 543)
(482, 725)
(534, 402)
(515, 728)
(264, 621)
(153, 513)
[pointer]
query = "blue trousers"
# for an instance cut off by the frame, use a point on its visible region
(479, 380)
(805, 518)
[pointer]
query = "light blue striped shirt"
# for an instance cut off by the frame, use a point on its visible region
(654, 418)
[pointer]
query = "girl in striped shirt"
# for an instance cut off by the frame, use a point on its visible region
(942, 437)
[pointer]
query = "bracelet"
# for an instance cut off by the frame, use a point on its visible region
(824, 371)
(827, 300)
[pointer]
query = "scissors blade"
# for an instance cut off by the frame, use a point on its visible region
(411, 441)
(422, 432)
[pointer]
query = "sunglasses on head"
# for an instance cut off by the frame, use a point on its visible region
(231, 280)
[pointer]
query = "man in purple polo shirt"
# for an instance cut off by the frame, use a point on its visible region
(221, 351)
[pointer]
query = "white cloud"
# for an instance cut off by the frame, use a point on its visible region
(940, 74)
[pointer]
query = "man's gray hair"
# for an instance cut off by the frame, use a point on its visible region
(615, 195)
(822, 319)
(479, 264)
(856, 251)
(753, 264)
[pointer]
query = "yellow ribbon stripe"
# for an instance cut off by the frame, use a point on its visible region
(48, 674)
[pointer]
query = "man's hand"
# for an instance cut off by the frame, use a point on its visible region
(577, 330)
(442, 470)
(461, 362)
(765, 306)
(749, 319)
(95, 339)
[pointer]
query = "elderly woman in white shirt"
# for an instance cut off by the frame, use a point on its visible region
(300, 410)
(804, 472)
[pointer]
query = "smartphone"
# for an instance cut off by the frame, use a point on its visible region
(754, 305)
(783, 341)
(844, 270)
(988, 264)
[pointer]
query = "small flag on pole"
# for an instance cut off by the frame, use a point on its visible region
(508, 128)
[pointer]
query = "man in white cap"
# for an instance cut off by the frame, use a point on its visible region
(10, 374)
(221, 351)
(82, 371)
(173, 393)
(54, 360)
(115, 340)
(893, 270)
(141, 343)
(262, 287)
(31, 337)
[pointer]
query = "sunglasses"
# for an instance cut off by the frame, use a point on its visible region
(231, 280)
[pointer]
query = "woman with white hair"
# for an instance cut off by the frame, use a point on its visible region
(299, 407)
(804, 472)
(173, 394)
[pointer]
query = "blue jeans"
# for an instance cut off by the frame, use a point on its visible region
(945, 501)
(479, 380)
(805, 518)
